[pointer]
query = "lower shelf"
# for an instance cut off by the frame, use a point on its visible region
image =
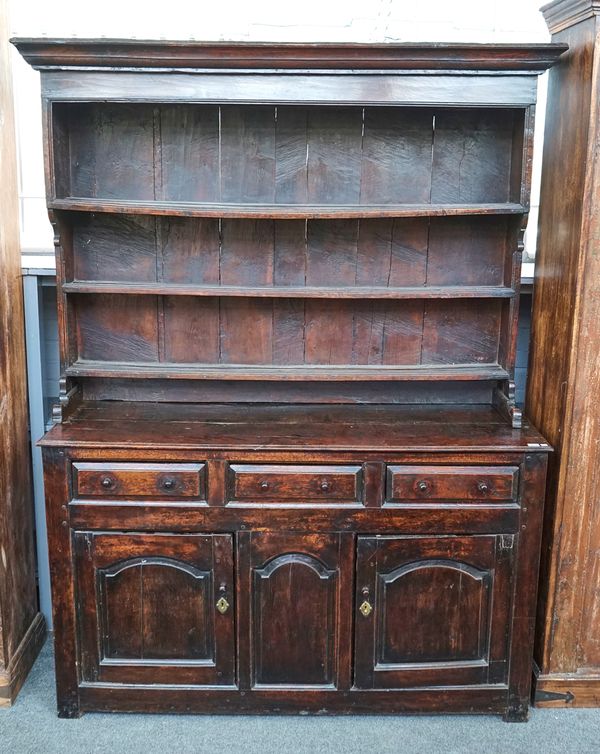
(434, 428)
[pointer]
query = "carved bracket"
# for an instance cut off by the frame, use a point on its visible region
(68, 397)
(69, 393)
(504, 401)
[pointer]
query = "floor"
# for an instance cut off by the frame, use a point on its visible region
(31, 726)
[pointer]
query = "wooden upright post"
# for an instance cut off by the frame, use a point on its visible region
(563, 396)
(21, 625)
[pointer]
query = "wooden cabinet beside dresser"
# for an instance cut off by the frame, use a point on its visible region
(564, 369)
(22, 626)
(288, 473)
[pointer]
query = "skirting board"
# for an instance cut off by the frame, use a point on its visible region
(566, 689)
(13, 676)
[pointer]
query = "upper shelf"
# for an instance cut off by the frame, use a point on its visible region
(43, 53)
(282, 211)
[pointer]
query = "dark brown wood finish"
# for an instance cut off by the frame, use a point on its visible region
(300, 610)
(139, 480)
(90, 53)
(161, 605)
(331, 484)
(564, 371)
(22, 626)
(289, 473)
(407, 587)
(462, 483)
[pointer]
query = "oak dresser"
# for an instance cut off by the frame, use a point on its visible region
(288, 473)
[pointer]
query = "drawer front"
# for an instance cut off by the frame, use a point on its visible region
(452, 483)
(272, 483)
(139, 480)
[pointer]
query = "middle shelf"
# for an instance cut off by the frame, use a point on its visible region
(319, 372)
(270, 211)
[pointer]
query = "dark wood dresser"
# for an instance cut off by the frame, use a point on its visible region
(288, 473)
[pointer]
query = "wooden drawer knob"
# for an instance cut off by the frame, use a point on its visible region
(264, 485)
(483, 487)
(423, 486)
(325, 486)
(107, 482)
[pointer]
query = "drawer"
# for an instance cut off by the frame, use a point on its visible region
(451, 483)
(320, 484)
(139, 480)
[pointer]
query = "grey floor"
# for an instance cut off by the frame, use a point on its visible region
(32, 726)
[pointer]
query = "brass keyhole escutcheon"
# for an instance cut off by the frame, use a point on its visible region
(222, 605)
(366, 608)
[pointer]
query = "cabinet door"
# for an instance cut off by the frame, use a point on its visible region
(432, 610)
(299, 609)
(155, 608)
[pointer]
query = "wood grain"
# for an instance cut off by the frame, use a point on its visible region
(19, 640)
(469, 428)
(182, 54)
(283, 211)
(411, 584)
(139, 480)
(564, 362)
(155, 607)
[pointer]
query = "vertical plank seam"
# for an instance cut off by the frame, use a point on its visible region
(307, 158)
(220, 153)
(431, 181)
(387, 306)
(157, 191)
(362, 157)
(425, 303)
(271, 262)
(305, 249)
(69, 151)
(219, 298)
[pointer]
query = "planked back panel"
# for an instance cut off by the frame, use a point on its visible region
(213, 330)
(388, 252)
(260, 154)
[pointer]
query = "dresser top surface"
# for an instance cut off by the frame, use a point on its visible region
(300, 428)
(46, 53)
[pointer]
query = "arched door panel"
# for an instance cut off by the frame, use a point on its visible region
(299, 609)
(156, 608)
(432, 610)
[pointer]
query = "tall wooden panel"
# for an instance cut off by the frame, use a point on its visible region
(21, 625)
(564, 374)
